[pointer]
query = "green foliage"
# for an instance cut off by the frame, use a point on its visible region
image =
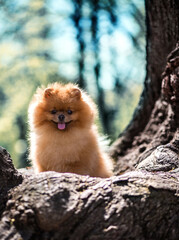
(127, 102)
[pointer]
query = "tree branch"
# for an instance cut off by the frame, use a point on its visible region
(49, 205)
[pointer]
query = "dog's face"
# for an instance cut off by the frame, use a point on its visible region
(63, 107)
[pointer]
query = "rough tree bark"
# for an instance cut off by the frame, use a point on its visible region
(136, 205)
(155, 120)
(140, 204)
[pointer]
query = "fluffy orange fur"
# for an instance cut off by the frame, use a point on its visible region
(63, 135)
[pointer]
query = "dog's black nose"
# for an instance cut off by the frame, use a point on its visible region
(61, 117)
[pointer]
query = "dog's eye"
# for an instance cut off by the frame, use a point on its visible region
(69, 112)
(53, 111)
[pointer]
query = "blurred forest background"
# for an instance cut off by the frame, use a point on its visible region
(99, 44)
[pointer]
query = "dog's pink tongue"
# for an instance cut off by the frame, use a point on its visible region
(61, 126)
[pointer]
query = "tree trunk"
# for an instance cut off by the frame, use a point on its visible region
(155, 120)
(140, 204)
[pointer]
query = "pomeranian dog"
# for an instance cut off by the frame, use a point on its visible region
(63, 136)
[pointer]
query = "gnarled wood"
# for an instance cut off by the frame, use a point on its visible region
(9, 176)
(137, 205)
(156, 118)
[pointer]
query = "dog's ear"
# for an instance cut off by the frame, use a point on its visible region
(48, 92)
(76, 93)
